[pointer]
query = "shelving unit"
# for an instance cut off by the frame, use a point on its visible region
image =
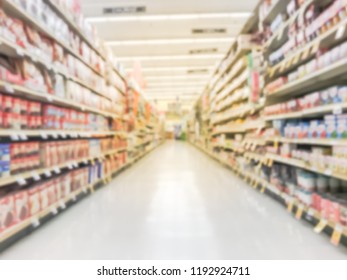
(94, 115)
(280, 136)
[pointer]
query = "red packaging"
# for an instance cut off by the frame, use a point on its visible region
(325, 208)
(17, 28)
(7, 103)
(23, 106)
(23, 121)
(7, 212)
(34, 200)
(334, 212)
(44, 198)
(21, 200)
(52, 195)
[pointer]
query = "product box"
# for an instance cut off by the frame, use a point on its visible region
(44, 197)
(7, 212)
(21, 199)
(34, 200)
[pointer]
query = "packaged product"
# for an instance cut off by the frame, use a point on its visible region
(7, 212)
(21, 200)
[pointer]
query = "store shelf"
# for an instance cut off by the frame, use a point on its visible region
(17, 135)
(293, 205)
(48, 172)
(13, 9)
(281, 34)
(22, 91)
(229, 76)
(229, 91)
(325, 40)
(312, 81)
(35, 221)
(239, 53)
(303, 165)
(278, 7)
(241, 128)
(60, 206)
(235, 114)
(310, 113)
(12, 50)
(308, 141)
(73, 26)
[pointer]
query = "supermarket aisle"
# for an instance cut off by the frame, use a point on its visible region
(176, 203)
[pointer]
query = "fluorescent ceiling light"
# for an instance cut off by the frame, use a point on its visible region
(169, 17)
(171, 41)
(182, 77)
(171, 57)
(171, 89)
(173, 69)
(176, 84)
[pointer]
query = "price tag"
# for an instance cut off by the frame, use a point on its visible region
(270, 163)
(296, 59)
(73, 197)
(35, 222)
(328, 172)
(337, 234)
(49, 98)
(48, 173)
(43, 135)
(290, 205)
(8, 88)
(85, 161)
(340, 32)
(92, 161)
(282, 67)
(276, 144)
(315, 48)
(55, 135)
(19, 51)
(311, 212)
(262, 190)
(57, 170)
(63, 135)
(321, 226)
(54, 210)
(23, 137)
(84, 190)
(272, 72)
(258, 167)
(306, 53)
(21, 181)
(280, 34)
(62, 204)
(36, 176)
(70, 166)
(14, 137)
(337, 110)
(299, 212)
(75, 164)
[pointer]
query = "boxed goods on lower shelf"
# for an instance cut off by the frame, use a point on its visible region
(325, 194)
(23, 204)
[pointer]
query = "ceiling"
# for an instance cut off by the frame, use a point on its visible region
(175, 61)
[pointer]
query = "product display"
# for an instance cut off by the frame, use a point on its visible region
(59, 82)
(279, 120)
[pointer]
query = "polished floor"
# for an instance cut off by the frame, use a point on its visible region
(176, 203)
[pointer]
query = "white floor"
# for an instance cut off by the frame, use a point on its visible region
(176, 203)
